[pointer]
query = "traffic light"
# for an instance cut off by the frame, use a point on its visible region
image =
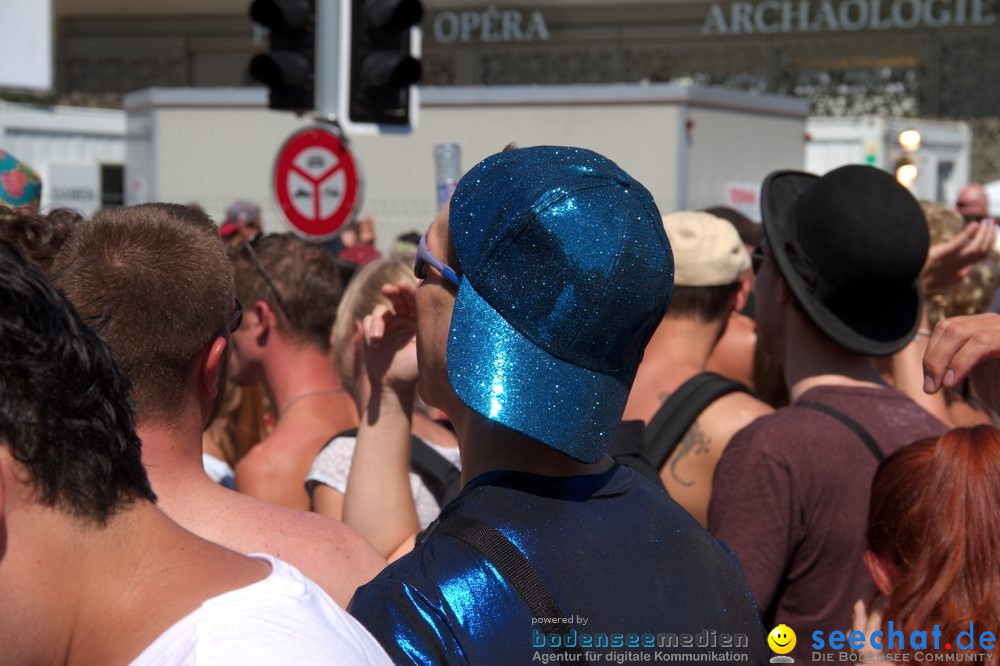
(906, 167)
(909, 140)
(288, 67)
(383, 65)
(906, 171)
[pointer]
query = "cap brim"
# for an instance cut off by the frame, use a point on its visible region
(873, 334)
(509, 380)
(229, 229)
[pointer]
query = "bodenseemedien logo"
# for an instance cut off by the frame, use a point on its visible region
(550, 635)
(781, 640)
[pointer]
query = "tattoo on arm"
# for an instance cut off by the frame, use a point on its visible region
(694, 440)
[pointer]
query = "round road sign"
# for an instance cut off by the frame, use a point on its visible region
(316, 182)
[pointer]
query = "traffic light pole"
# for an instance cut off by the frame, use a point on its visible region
(327, 61)
(365, 65)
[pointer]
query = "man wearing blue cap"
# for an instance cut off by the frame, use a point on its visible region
(541, 286)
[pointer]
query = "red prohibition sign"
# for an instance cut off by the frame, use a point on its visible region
(316, 182)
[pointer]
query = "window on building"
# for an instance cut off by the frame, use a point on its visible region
(112, 185)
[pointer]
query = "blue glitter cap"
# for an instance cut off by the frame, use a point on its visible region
(566, 272)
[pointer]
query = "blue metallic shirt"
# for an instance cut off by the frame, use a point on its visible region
(632, 571)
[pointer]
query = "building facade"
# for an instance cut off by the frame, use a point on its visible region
(929, 58)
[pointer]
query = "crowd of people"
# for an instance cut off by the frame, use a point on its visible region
(558, 426)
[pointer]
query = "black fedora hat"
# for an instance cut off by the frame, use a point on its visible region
(850, 246)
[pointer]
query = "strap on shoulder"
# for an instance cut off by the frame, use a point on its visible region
(350, 432)
(514, 567)
(856, 427)
(443, 479)
(680, 410)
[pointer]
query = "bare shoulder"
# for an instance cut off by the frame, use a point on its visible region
(260, 454)
(268, 458)
(276, 469)
(745, 404)
(256, 471)
(731, 413)
(326, 550)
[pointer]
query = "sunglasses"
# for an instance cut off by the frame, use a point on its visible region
(237, 317)
(247, 247)
(425, 258)
(233, 323)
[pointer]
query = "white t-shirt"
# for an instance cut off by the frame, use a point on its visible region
(218, 470)
(333, 465)
(284, 619)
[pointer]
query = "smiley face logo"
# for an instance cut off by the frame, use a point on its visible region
(781, 639)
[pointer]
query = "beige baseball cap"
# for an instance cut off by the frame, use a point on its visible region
(707, 250)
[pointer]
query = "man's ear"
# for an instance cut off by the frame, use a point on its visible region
(881, 570)
(262, 322)
(746, 286)
(214, 366)
(3, 463)
(3, 516)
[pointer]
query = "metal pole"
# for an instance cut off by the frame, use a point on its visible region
(683, 154)
(327, 65)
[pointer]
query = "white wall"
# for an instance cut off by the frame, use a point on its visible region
(60, 143)
(734, 146)
(401, 190)
(944, 159)
(37, 135)
(213, 156)
(212, 147)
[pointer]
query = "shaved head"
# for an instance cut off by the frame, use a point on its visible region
(972, 203)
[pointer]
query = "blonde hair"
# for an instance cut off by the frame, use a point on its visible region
(363, 293)
(240, 424)
(974, 293)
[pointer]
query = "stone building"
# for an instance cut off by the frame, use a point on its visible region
(932, 58)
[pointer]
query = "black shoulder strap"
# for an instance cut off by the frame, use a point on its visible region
(443, 479)
(350, 432)
(514, 567)
(628, 446)
(858, 429)
(673, 419)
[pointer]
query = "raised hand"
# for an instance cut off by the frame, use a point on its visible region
(868, 622)
(965, 346)
(949, 262)
(389, 341)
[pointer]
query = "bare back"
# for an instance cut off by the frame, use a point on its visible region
(327, 551)
(688, 472)
(187, 571)
(732, 355)
(276, 469)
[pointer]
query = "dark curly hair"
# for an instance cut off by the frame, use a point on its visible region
(65, 412)
(38, 236)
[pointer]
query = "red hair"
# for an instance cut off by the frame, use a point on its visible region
(935, 517)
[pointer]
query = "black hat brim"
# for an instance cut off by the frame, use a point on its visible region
(880, 333)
